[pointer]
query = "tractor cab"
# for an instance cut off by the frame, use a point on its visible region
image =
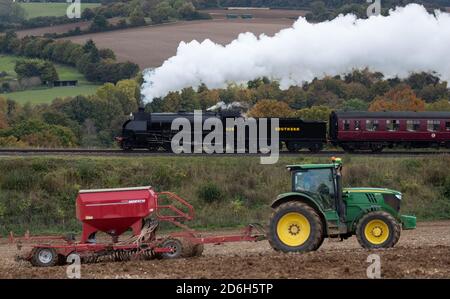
(319, 181)
(322, 182)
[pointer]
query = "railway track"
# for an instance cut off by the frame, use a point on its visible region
(119, 152)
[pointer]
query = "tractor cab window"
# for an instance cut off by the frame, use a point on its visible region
(319, 183)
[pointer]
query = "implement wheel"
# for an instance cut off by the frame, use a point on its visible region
(44, 257)
(175, 245)
(377, 230)
(295, 227)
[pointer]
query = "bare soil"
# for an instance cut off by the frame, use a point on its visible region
(150, 46)
(421, 253)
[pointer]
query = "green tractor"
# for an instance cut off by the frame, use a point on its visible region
(318, 207)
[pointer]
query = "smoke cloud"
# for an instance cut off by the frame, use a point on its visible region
(408, 40)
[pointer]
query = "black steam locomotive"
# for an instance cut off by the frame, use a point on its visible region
(351, 131)
(153, 131)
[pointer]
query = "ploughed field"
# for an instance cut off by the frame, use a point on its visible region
(150, 46)
(420, 253)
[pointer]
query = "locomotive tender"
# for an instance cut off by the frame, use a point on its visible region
(351, 131)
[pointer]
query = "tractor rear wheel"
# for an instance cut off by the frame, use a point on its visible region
(377, 230)
(44, 257)
(295, 227)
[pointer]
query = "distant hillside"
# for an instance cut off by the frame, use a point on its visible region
(307, 3)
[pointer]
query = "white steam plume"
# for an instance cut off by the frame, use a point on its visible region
(409, 39)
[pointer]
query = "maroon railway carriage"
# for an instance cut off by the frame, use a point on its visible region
(377, 130)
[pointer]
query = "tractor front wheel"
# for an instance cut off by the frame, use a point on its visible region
(377, 230)
(295, 227)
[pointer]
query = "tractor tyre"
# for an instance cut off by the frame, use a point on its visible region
(320, 242)
(44, 257)
(397, 236)
(377, 230)
(295, 227)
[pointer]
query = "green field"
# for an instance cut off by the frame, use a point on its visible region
(46, 95)
(34, 10)
(7, 64)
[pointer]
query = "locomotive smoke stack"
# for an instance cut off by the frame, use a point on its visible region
(408, 40)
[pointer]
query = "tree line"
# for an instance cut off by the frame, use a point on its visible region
(132, 13)
(97, 65)
(360, 90)
(306, 4)
(94, 121)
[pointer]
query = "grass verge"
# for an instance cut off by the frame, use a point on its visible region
(38, 193)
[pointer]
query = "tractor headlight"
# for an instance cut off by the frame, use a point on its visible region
(399, 196)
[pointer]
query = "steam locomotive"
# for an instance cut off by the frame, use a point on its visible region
(153, 131)
(352, 131)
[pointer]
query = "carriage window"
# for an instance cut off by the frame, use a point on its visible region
(346, 124)
(392, 125)
(433, 125)
(357, 125)
(413, 125)
(447, 125)
(372, 125)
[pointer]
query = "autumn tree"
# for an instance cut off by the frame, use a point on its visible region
(125, 91)
(208, 98)
(442, 105)
(271, 108)
(314, 113)
(354, 105)
(400, 98)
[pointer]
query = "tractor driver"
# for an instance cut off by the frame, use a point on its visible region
(318, 182)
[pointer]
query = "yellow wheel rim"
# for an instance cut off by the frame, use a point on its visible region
(376, 231)
(293, 229)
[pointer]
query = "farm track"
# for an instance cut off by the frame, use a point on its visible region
(420, 253)
(119, 152)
